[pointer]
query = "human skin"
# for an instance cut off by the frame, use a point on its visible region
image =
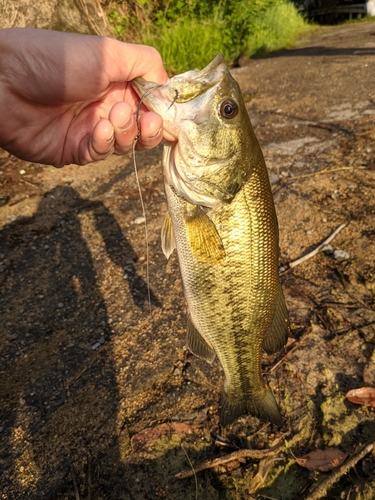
(66, 98)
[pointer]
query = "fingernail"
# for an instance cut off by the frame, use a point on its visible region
(127, 125)
(155, 135)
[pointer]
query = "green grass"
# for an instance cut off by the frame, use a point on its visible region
(189, 43)
(189, 37)
(276, 29)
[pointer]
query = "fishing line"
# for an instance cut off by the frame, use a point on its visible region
(141, 197)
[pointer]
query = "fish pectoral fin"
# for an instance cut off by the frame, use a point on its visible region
(204, 239)
(168, 242)
(198, 345)
(277, 334)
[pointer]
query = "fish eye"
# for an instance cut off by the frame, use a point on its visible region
(228, 109)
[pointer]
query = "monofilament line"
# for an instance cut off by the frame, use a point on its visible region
(192, 468)
(141, 199)
(145, 223)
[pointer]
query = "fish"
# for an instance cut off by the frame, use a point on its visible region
(222, 222)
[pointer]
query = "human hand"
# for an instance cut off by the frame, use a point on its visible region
(66, 98)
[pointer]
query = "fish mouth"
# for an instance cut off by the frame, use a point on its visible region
(180, 89)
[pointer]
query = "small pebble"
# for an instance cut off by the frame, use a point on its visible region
(341, 255)
(328, 249)
(70, 344)
(368, 150)
(60, 305)
(22, 172)
(101, 340)
(309, 231)
(95, 346)
(139, 220)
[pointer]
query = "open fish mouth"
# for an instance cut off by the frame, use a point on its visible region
(182, 89)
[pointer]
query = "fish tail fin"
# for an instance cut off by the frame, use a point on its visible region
(262, 405)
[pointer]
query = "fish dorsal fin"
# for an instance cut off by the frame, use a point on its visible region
(278, 331)
(197, 344)
(204, 239)
(168, 242)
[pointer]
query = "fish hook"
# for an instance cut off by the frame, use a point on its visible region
(174, 100)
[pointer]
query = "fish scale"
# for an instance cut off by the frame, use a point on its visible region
(222, 222)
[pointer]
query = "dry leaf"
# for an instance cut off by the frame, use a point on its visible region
(363, 396)
(323, 460)
(148, 437)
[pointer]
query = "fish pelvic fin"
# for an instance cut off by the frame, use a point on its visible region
(277, 334)
(198, 345)
(168, 242)
(261, 405)
(204, 239)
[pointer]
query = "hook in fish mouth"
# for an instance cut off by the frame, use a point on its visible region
(174, 99)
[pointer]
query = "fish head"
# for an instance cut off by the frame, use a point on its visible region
(216, 146)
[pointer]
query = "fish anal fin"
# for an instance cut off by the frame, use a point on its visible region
(198, 345)
(204, 239)
(277, 334)
(262, 405)
(168, 243)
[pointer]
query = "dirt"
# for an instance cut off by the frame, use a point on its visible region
(101, 401)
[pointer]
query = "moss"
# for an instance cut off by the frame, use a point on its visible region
(284, 481)
(340, 424)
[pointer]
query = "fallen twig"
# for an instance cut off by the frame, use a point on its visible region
(283, 358)
(30, 184)
(236, 455)
(335, 476)
(295, 263)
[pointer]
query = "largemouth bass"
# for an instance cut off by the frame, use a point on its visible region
(221, 219)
